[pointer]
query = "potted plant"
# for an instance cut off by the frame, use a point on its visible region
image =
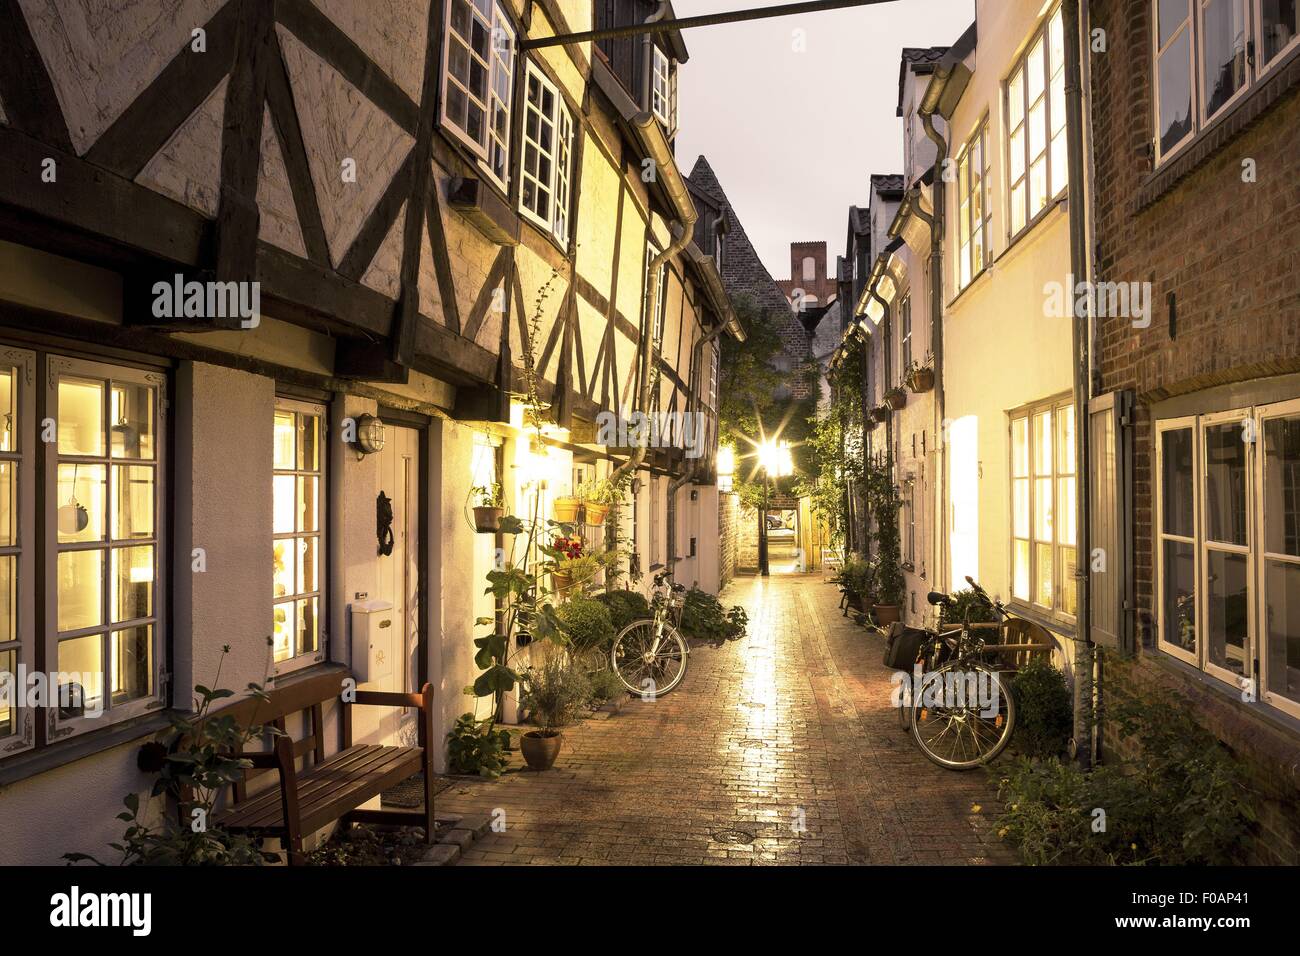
(554, 695)
(883, 501)
(598, 497)
(920, 378)
(571, 565)
(881, 413)
(489, 508)
(565, 508)
(896, 398)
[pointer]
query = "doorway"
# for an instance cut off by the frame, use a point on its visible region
(397, 580)
(784, 555)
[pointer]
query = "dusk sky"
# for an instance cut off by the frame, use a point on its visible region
(770, 118)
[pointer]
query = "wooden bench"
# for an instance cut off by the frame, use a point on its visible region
(334, 787)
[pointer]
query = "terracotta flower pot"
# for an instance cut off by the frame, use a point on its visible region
(922, 380)
(561, 581)
(540, 748)
(880, 413)
(486, 519)
(566, 509)
(596, 512)
(887, 613)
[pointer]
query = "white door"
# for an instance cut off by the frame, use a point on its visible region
(397, 580)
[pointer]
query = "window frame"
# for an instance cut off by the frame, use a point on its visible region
(1262, 556)
(667, 77)
(1189, 24)
(22, 737)
(1185, 423)
(559, 185)
(58, 728)
(1041, 33)
(904, 338)
(1205, 118)
(500, 20)
(296, 662)
(1262, 68)
(965, 260)
(1028, 413)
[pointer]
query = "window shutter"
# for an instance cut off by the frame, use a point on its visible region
(1110, 490)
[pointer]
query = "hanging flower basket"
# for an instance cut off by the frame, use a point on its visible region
(880, 413)
(566, 509)
(921, 380)
(561, 581)
(596, 512)
(487, 520)
(896, 398)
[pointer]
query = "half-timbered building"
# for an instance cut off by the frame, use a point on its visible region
(267, 265)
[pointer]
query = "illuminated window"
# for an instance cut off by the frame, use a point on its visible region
(972, 210)
(1035, 96)
(104, 606)
(548, 155)
(1043, 489)
(478, 68)
(298, 531)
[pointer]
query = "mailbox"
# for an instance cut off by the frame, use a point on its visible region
(373, 647)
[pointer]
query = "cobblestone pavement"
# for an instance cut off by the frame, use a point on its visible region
(787, 735)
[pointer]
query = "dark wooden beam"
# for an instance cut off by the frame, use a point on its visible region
(452, 357)
(442, 261)
(311, 295)
(477, 314)
(168, 101)
(284, 116)
(380, 220)
(29, 99)
(368, 361)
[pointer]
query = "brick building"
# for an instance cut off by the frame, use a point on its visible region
(1196, 194)
(809, 286)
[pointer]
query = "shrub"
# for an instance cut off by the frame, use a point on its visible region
(857, 576)
(624, 607)
(586, 622)
(475, 746)
(605, 686)
(964, 601)
(556, 693)
(704, 618)
(1044, 713)
(1180, 801)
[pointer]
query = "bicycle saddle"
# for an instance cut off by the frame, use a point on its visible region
(938, 598)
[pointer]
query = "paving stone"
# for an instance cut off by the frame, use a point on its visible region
(441, 854)
(461, 838)
(820, 774)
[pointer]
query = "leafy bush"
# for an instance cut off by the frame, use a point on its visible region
(1180, 801)
(605, 686)
(963, 602)
(857, 576)
(475, 746)
(1044, 713)
(556, 693)
(704, 618)
(624, 607)
(586, 622)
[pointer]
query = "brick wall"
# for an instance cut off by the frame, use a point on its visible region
(1227, 250)
(727, 505)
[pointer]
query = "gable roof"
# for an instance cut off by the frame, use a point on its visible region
(921, 60)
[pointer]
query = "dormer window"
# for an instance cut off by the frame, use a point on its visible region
(663, 90)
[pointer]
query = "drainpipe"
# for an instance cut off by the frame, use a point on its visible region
(647, 56)
(936, 223)
(884, 371)
(1084, 677)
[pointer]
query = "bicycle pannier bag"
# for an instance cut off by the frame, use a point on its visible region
(902, 645)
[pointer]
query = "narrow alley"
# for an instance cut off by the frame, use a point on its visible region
(785, 730)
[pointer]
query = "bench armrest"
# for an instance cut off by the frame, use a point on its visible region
(383, 698)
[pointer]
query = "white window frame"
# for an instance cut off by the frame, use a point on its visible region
(1042, 34)
(967, 271)
(1163, 640)
(298, 661)
(1286, 409)
(557, 184)
(1157, 52)
(663, 89)
(493, 149)
(1060, 580)
(1261, 67)
(58, 728)
(1256, 652)
(22, 460)
(905, 338)
(1203, 100)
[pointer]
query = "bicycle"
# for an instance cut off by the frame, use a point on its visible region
(650, 655)
(961, 713)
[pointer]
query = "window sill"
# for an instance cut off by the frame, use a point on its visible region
(1224, 693)
(1060, 626)
(52, 756)
(1282, 79)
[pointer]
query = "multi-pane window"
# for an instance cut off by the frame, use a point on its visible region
(1228, 547)
(663, 90)
(17, 556)
(478, 72)
(103, 562)
(298, 526)
(1036, 121)
(548, 155)
(905, 335)
(660, 299)
(1207, 53)
(1043, 488)
(972, 209)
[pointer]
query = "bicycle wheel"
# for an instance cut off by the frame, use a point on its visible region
(643, 668)
(964, 715)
